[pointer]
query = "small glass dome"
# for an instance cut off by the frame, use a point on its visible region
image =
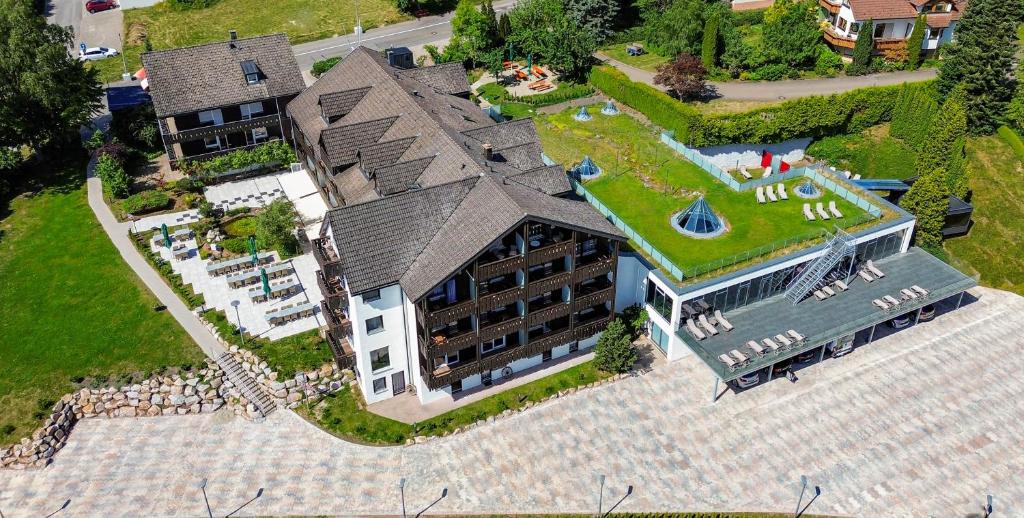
(587, 169)
(609, 108)
(808, 190)
(699, 221)
(583, 115)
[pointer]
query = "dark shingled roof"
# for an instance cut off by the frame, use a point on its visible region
(399, 177)
(342, 142)
(382, 154)
(202, 77)
(336, 105)
(547, 179)
(447, 78)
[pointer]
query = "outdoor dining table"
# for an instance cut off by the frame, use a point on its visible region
(281, 315)
(180, 251)
(252, 276)
(276, 291)
(237, 263)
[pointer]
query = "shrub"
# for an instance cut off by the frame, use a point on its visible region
(191, 199)
(862, 51)
(565, 92)
(772, 72)
(322, 66)
(238, 210)
(238, 245)
(655, 104)
(1013, 139)
(114, 150)
(95, 140)
(136, 126)
(206, 209)
(185, 5)
(113, 176)
(828, 63)
(614, 351)
(709, 45)
(145, 201)
(915, 41)
(277, 152)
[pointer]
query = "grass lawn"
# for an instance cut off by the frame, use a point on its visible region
(872, 154)
(495, 94)
(647, 61)
(994, 244)
(305, 351)
(645, 183)
(341, 416)
(71, 308)
(302, 20)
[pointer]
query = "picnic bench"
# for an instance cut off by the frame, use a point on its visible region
(289, 313)
(180, 251)
(277, 291)
(540, 85)
(238, 263)
(252, 276)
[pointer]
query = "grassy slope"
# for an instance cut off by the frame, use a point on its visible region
(628, 150)
(302, 20)
(647, 61)
(71, 308)
(994, 244)
(872, 154)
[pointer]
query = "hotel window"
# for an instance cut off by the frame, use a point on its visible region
(492, 345)
(212, 142)
(935, 34)
(659, 300)
(211, 118)
(880, 30)
(448, 359)
(854, 28)
(252, 74)
(370, 296)
(842, 24)
(374, 325)
(251, 109)
(380, 385)
(259, 135)
(379, 359)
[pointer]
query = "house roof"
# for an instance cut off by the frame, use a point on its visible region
(864, 10)
(202, 77)
(446, 78)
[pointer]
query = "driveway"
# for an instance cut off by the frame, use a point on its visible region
(95, 30)
(924, 422)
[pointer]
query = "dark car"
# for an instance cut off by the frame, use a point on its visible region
(927, 313)
(95, 6)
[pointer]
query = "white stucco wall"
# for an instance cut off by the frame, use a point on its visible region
(732, 156)
(630, 282)
(390, 307)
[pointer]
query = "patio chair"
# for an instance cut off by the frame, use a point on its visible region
(745, 173)
(689, 310)
(692, 328)
(856, 177)
(740, 357)
(865, 275)
(754, 346)
(703, 319)
(722, 321)
(770, 344)
(891, 300)
(923, 292)
(881, 305)
(828, 291)
(834, 210)
(760, 194)
(807, 212)
(820, 295)
(729, 362)
(796, 336)
(786, 342)
(907, 294)
(770, 192)
(702, 305)
(874, 269)
(847, 174)
(782, 191)
(820, 209)
(840, 285)
(767, 172)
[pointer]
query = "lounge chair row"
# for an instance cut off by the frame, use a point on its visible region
(769, 192)
(707, 324)
(870, 272)
(780, 342)
(890, 303)
(822, 213)
(851, 176)
(827, 291)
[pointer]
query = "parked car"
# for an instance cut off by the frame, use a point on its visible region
(748, 380)
(781, 367)
(843, 346)
(900, 322)
(95, 6)
(96, 53)
(806, 356)
(927, 313)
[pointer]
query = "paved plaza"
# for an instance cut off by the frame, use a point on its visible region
(923, 422)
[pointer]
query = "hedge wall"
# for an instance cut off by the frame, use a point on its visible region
(815, 117)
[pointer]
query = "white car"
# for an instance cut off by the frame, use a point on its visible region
(843, 346)
(748, 380)
(96, 53)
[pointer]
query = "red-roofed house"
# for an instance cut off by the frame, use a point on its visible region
(893, 21)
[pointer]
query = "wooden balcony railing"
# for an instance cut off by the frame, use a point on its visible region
(324, 253)
(584, 331)
(549, 313)
(331, 289)
(500, 298)
(500, 329)
(444, 376)
(890, 44)
(592, 299)
(548, 341)
(829, 6)
(342, 351)
(501, 267)
(500, 360)
(548, 283)
(450, 313)
(438, 345)
(342, 326)
(589, 271)
(838, 40)
(551, 252)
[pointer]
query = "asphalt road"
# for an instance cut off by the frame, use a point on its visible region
(95, 30)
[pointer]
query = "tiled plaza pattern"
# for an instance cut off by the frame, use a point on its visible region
(923, 422)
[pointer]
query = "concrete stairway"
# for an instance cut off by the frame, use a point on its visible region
(246, 384)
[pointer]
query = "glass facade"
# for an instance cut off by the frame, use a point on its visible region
(657, 298)
(659, 337)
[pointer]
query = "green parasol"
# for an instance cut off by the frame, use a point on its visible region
(529, 64)
(252, 250)
(266, 281)
(511, 57)
(166, 234)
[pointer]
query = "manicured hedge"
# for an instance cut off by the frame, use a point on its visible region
(1013, 139)
(145, 201)
(815, 117)
(564, 92)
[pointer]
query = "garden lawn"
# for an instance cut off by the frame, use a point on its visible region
(871, 154)
(71, 309)
(644, 182)
(304, 351)
(994, 244)
(647, 61)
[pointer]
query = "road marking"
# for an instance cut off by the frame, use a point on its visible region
(446, 22)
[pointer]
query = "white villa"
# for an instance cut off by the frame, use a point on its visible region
(893, 21)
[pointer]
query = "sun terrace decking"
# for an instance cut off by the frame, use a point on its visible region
(821, 321)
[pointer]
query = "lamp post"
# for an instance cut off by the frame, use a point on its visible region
(803, 487)
(988, 506)
(401, 490)
(202, 486)
(124, 62)
(600, 494)
(259, 493)
(238, 318)
(63, 507)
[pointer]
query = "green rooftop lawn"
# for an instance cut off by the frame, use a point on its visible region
(871, 154)
(72, 309)
(644, 182)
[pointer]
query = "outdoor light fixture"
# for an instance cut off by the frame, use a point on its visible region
(401, 489)
(803, 487)
(202, 486)
(600, 494)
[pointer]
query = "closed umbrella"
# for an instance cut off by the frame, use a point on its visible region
(252, 250)
(266, 281)
(529, 64)
(166, 234)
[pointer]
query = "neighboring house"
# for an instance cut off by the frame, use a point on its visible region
(452, 259)
(213, 99)
(893, 22)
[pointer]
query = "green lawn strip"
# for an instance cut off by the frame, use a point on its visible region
(993, 245)
(184, 291)
(871, 154)
(647, 61)
(645, 183)
(304, 351)
(341, 415)
(72, 310)
(1013, 139)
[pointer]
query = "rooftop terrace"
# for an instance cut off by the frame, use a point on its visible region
(821, 321)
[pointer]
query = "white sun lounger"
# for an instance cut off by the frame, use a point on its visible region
(722, 321)
(874, 270)
(745, 173)
(770, 344)
(754, 346)
(834, 210)
(847, 174)
(796, 336)
(740, 357)
(891, 300)
(729, 362)
(907, 294)
(782, 191)
(881, 305)
(923, 292)
(820, 295)
(865, 275)
(828, 291)
(786, 342)
(767, 172)
(770, 192)
(807, 212)
(703, 320)
(693, 329)
(760, 194)
(856, 177)
(840, 285)
(820, 209)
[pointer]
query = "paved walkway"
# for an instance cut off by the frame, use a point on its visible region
(118, 233)
(781, 90)
(923, 422)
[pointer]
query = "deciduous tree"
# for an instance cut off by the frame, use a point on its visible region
(791, 33)
(275, 224)
(596, 16)
(684, 77)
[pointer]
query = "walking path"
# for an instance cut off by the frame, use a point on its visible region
(923, 422)
(781, 90)
(118, 233)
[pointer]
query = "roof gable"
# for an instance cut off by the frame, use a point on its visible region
(342, 142)
(335, 105)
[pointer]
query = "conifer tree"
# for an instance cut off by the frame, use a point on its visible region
(914, 43)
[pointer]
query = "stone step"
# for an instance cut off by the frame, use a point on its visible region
(246, 384)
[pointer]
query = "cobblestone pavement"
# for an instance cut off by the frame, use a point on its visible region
(923, 422)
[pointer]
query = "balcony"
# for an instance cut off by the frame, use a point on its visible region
(224, 129)
(550, 252)
(343, 353)
(449, 313)
(324, 253)
(600, 266)
(500, 298)
(331, 287)
(449, 340)
(890, 44)
(830, 6)
(547, 312)
(499, 329)
(837, 40)
(591, 328)
(547, 284)
(547, 341)
(336, 320)
(445, 375)
(591, 299)
(502, 358)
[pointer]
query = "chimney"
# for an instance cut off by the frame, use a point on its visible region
(488, 150)
(233, 34)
